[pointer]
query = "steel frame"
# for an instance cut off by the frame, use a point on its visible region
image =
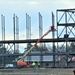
(65, 19)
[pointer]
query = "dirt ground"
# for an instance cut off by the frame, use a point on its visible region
(37, 71)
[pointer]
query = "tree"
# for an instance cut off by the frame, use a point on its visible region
(72, 46)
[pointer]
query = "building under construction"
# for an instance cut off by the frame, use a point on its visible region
(57, 56)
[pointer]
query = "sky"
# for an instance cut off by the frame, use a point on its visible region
(32, 8)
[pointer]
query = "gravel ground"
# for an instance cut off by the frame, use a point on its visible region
(40, 71)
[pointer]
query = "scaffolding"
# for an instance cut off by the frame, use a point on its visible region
(62, 56)
(65, 30)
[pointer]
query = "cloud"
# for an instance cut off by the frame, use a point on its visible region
(66, 4)
(36, 5)
(32, 7)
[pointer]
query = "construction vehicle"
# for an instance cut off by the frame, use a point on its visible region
(22, 63)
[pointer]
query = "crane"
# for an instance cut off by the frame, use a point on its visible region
(23, 63)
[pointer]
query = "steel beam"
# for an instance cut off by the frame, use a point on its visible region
(43, 54)
(66, 24)
(43, 40)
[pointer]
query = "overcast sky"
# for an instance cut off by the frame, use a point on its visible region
(32, 7)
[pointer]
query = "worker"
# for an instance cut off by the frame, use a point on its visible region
(38, 64)
(52, 28)
(33, 64)
(28, 65)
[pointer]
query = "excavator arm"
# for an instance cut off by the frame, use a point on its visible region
(50, 30)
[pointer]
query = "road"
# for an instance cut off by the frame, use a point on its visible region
(40, 71)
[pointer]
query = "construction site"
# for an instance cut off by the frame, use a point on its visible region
(57, 59)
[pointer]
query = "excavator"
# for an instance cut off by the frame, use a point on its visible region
(22, 63)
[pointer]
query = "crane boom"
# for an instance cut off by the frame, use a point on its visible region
(52, 29)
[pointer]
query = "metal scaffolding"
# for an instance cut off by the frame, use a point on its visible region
(16, 32)
(40, 25)
(3, 27)
(28, 26)
(53, 36)
(40, 34)
(65, 37)
(65, 29)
